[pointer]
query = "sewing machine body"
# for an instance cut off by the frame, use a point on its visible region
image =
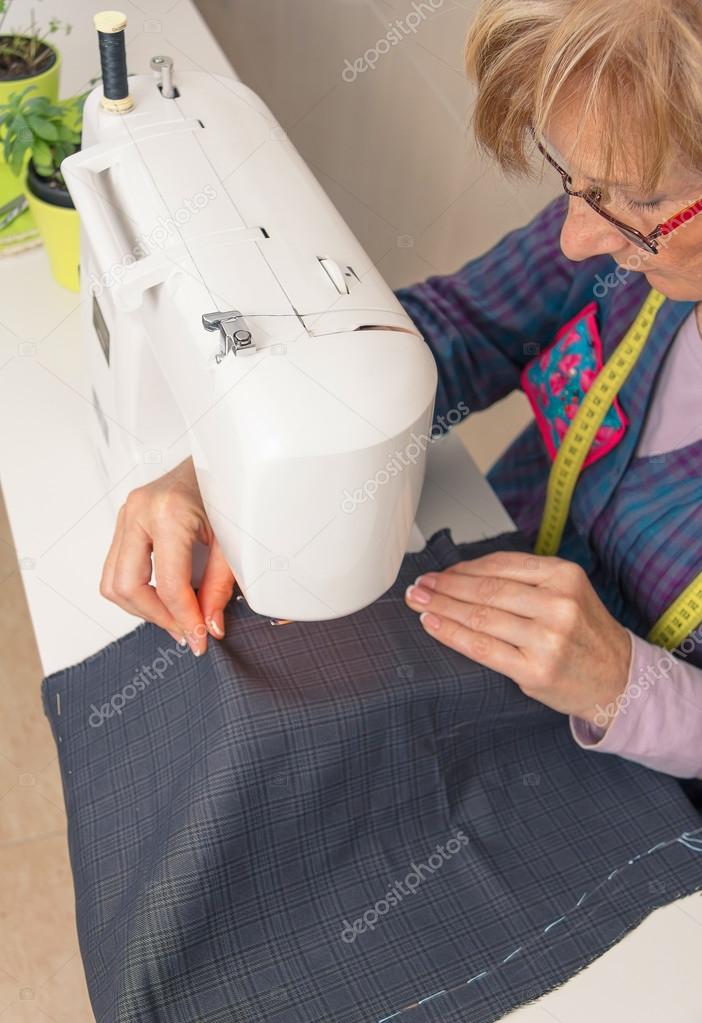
(200, 207)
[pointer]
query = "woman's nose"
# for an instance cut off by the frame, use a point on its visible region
(585, 233)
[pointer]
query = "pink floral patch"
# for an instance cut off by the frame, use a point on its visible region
(556, 381)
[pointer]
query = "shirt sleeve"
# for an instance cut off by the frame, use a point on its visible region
(658, 719)
(487, 320)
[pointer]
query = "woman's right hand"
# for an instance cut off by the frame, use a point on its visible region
(164, 519)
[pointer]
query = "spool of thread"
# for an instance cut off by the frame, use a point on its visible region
(110, 27)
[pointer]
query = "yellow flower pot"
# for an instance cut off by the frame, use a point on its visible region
(46, 82)
(57, 222)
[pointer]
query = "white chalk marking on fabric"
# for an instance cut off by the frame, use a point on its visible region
(478, 976)
(692, 844)
(512, 954)
(692, 840)
(429, 997)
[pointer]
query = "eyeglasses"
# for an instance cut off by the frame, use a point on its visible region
(593, 197)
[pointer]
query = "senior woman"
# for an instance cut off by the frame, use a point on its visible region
(609, 96)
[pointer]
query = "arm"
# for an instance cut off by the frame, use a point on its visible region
(483, 322)
(657, 721)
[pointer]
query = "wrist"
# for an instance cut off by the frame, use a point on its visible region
(602, 713)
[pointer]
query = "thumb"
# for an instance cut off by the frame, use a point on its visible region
(215, 590)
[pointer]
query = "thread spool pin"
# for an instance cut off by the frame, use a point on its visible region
(164, 66)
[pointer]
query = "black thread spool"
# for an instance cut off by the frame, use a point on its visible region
(110, 27)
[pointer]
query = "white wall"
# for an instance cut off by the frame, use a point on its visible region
(393, 147)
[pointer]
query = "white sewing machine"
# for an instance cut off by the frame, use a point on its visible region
(227, 309)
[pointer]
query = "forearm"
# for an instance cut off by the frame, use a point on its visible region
(657, 720)
(484, 322)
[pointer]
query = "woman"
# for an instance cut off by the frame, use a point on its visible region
(609, 96)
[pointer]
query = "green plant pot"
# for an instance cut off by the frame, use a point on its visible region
(46, 83)
(57, 221)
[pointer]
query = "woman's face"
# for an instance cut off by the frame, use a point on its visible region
(677, 269)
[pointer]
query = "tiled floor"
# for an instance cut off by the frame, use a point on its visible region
(41, 976)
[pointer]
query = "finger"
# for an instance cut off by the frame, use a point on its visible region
(107, 581)
(519, 598)
(108, 569)
(173, 566)
(486, 650)
(477, 618)
(521, 566)
(215, 590)
(132, 577)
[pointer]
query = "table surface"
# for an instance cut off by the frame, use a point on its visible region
(62, 520)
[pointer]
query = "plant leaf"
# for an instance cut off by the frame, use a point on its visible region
(43, 128)
(42, 155)
(16, 158)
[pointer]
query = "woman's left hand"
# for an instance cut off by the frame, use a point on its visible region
(535, 619)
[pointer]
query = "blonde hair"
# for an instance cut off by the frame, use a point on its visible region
(636, 66)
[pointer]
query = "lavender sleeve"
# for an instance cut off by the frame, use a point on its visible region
(658, 720)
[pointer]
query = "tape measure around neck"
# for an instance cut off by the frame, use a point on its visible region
(685, 614)
(587, 421)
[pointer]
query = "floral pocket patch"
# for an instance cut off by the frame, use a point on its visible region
(556, 381)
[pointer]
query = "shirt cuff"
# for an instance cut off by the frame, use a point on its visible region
(657, 720)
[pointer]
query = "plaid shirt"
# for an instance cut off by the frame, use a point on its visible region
(484, 324)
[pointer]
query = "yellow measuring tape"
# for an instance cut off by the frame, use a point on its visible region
(685, 613)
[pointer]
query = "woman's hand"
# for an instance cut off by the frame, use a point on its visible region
(535, 619)
(165, 518)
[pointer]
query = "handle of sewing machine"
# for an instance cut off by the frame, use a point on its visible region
(82, 174)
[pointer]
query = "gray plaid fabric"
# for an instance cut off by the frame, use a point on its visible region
(344, 822)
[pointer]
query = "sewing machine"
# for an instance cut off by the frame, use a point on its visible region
(230, 314)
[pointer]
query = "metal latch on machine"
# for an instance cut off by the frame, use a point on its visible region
(236, 336)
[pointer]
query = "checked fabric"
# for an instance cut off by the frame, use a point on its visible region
(344, 822)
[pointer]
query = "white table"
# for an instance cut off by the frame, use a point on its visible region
(62, 521)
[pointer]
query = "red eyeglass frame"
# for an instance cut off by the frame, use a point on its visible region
(645, 241)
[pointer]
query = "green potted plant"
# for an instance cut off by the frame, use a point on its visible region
(26, 54)
(38, 135)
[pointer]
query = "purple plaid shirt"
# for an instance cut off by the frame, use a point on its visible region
(634, 523)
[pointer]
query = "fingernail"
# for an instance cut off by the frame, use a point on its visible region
(427, 581)
(430, 620)
(194, 645)
(417, 595)
(215, 624)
